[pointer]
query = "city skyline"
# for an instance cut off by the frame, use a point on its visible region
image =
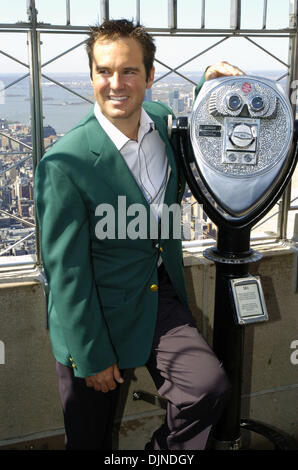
(16, 182)
(61, 110)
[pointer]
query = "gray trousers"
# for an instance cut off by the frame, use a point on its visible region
(184, 370)
(187, 373)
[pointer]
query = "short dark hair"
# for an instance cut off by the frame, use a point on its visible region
(114, 29)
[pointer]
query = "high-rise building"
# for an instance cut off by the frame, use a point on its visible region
(26, 191)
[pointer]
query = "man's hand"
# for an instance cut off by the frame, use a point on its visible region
(105, 380)
(222, 69)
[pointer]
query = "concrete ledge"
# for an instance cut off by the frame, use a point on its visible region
(28, 388)
(28, 385)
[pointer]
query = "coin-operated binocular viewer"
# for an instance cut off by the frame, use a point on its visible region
(238, 151)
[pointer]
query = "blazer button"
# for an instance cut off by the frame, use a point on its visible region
(161, 249)
(154, 287)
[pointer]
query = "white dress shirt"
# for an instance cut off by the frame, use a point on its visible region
(145, 157)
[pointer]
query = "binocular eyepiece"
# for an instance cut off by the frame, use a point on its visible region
(243, 147)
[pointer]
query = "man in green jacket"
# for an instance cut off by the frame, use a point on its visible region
(117, 294)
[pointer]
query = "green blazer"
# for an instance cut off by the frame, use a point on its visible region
(103, 295)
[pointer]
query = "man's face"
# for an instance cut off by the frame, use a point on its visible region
(119, 78)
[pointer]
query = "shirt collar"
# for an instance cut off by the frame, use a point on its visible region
(117, 137)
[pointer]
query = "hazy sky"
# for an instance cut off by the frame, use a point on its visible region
(173, 51)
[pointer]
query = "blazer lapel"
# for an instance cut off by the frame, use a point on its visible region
(109, 161)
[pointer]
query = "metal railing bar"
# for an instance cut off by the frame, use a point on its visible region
(196, 33)
(203, 12)
(19, 264)
(187, 61)
(24, 27)
(45, 26)
(201, 53)
(194, 243)
(255, 238)
(179, 32)
(16, 244)
(43, 65)
(293, 14)
(169, 73)
(291, 208)
(295, 198)
(66, 88)
(21, 27)
(46, 63)
(235, 14)
(37, 133)
(282, 223)
(32, 12)
(15, 140)
(104, 9)
(17, 218)
(13, 58)
(14, 82)
(283, 76)
(265, 6)
(49, 146)
(267, 52)
(15, 165)
(172, 14)
(227, 33)
(138, 12)
(268, 218)
(67, 12)
(49, 61)
(261, 32)
(45, 76)
(63, 53)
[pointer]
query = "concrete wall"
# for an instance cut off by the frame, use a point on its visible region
(29, 403)
(28, 391)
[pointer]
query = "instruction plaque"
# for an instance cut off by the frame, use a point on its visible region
(249, 300)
